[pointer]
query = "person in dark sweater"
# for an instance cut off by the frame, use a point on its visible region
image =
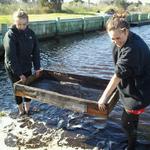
(21, 53)
(132, 75)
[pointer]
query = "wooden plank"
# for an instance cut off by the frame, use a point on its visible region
(31, 79)
(86, 80)
(112, 100)
(93, 109)
(63, 101)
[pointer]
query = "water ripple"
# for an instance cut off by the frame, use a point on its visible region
(86, 55)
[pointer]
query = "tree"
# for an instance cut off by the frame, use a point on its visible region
(76, 1)
(121, 4)
(25, 1)
(52, 4)
(6, 1)
(56, 5)
(43, 3)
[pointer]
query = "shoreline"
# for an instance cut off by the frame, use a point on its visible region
(24, 133)
(11, 133)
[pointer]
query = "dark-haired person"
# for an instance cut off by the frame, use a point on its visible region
(132, 75)
(21, 52)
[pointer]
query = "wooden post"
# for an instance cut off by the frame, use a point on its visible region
(101, 23)
(83, 25)
(1, 39)
(148, 16)
(4, 29)
(1, 47)
(139, 18)
(58, 30)
(2, 34)
(58, 27)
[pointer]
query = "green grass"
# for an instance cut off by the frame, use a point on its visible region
(54, 16)
(69, 10)
(5, 19)
(40, 17)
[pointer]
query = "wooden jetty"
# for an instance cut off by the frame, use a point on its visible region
(75, 92)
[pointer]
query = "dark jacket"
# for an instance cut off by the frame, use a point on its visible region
(21, 51)
(132, 65)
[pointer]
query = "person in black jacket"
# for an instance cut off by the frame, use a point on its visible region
(21, 53)
(132, 75)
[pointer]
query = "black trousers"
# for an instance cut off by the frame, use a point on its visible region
(130, 124)
(14, 78)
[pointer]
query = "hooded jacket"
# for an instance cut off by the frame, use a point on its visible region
(132, 65)
(21, 50)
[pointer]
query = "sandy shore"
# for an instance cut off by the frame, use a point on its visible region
(24, 133)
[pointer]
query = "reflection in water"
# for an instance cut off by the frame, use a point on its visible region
(87, 55)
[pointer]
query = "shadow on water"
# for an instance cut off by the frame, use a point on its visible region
(86, 55)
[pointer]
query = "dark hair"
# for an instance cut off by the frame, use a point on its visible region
(117, 21)
(20, 13)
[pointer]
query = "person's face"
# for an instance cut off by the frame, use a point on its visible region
(118, 37)
(21, 23)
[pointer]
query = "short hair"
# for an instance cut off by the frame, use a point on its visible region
(21, 14)
(117, 21)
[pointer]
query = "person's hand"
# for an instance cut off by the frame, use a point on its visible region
(101, 106)
(23, 78)
(37, 73)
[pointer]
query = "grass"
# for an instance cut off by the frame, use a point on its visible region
(40, 17)
(69, 10)
(54, 16)
(5, 19)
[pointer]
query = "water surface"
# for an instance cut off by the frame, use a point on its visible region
(86, 55)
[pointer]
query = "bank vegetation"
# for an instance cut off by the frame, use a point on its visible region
(45, 10)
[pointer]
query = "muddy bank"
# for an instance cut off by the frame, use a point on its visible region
(31, 133)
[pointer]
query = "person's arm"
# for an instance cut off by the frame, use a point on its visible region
(36, 54)
(11, 58)
(108, 91)
(23, 78)
(36, 57)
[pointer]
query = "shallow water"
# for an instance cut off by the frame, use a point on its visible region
(87, 55)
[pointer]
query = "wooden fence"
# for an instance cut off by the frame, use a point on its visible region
(60, 27)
